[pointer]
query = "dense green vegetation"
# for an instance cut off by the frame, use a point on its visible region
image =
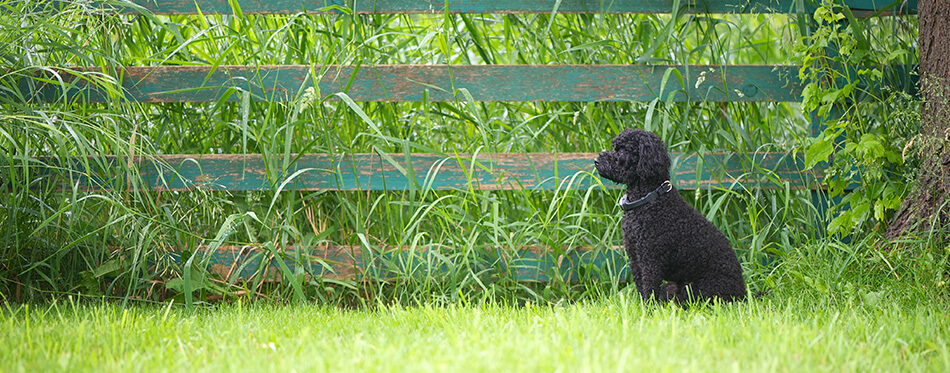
(59, 239)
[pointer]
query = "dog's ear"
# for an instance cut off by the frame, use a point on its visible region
(654, 162)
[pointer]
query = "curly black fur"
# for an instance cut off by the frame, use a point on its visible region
(668, 240)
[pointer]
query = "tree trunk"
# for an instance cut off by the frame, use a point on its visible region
(926, 207)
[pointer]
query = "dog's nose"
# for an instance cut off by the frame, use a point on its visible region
(596, 161)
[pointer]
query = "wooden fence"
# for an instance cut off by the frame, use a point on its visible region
(497, 171)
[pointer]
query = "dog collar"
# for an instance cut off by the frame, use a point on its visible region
(664, 188)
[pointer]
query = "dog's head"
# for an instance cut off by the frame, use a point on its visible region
(639, 157)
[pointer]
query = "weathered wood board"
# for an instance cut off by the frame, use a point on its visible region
(372, 263)
(490, 171)
(433, 83)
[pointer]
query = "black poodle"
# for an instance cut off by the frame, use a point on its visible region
(665, 238)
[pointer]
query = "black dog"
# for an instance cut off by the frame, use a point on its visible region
(665, 238)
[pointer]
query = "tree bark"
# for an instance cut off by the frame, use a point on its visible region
(926, 207)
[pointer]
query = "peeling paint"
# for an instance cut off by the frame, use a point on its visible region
(528, 263)
(579, 83)
(496, 171)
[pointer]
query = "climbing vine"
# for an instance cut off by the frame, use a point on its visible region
(865, 129)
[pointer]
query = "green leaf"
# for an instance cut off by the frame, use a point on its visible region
(198, 282)
(841, 224)
(880, 210)
(848, 148)
(894, 55)
(870, 146)
(822, 13)
(831, 95)
(836, 186)
(817, 152)
(859, 210)
(109, 268)
(810, 96)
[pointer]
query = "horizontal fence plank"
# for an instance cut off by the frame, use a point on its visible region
(415, 83)
(861, 7)
(530, 263)
(433, 83)
(496, 171)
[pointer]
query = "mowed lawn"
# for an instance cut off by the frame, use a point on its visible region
(614, 334)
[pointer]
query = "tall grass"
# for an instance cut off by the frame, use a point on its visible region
(115, 241)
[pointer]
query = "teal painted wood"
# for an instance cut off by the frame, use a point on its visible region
(384, 83)
(525, 264)
(499, 171)
(501, 6)
(571, 265)
(544, 171)
(244, 262)
(897, 6)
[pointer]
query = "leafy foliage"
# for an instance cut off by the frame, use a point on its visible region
(864, 131)
(130, 242)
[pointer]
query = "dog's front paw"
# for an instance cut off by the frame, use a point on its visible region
(669, 292)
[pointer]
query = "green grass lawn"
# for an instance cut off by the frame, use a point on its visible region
(779, 332)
